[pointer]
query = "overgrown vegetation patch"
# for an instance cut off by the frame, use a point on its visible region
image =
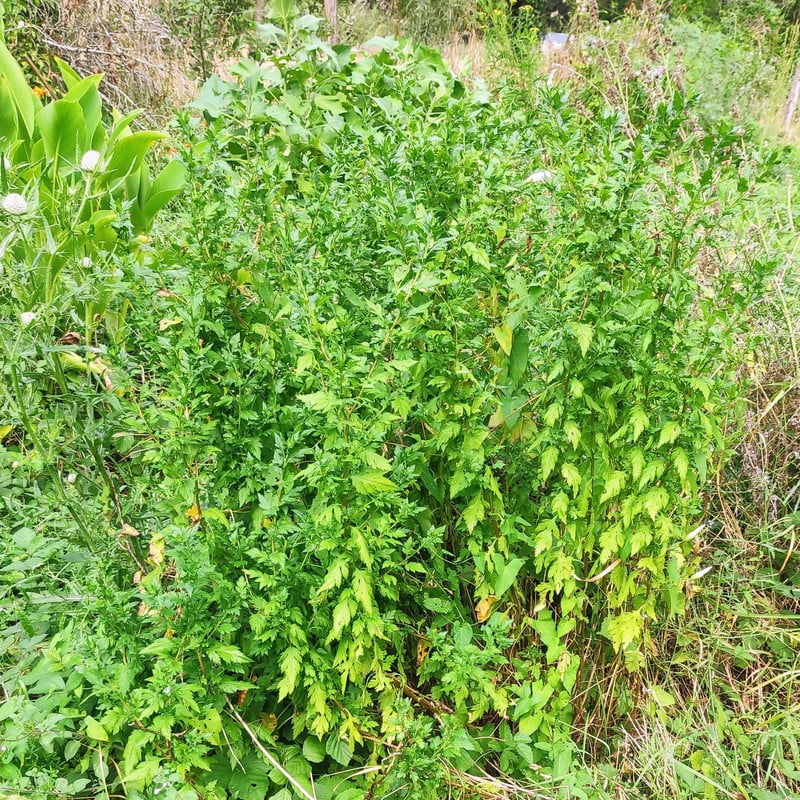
(380, 468)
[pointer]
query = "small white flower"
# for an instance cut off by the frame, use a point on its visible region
(72, 477)
(7, 163)
(14, 204)
(539, 176)
(90, 161)
(26, 317)
(86, 262)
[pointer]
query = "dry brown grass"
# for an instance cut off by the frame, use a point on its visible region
(143, 63)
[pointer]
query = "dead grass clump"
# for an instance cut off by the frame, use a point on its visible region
(144, 64)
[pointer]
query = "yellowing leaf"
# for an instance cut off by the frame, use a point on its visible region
(156, 550)
(505, 337)
(483, 610)
(5, 430)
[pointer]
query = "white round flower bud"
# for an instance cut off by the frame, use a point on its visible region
(14, 204)
(7, 163)
(539, 176)
(26, 317)
(86, 262)
(90, 161)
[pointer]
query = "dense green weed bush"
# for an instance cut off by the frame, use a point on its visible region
(422, 390)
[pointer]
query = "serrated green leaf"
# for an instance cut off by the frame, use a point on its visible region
(613, 485)
(584, 333)
(662, 697)
(474, 512)
(639, 422)
(572, 476)
(373, 482)
(290, 663)
(314, 750)
(624, 629)
(226, 654)
(339, 750)
(669, 433)
(548, 464)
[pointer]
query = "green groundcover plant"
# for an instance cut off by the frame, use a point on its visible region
(413, 407)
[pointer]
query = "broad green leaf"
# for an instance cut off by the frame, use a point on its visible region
(226, 654)
(624, 629)
(63, 132)
(573, 434)
(377, 461)
(655, 500)
(313, 750)
(86, 93)
(681, 462)
(373, 482)
(127, 155)
(320, 401)
(478, 255)
(662, 697)
(362, 590)
(339, 750)
(94, 730)
(168, 183)
(19, 93)
(68, 74)
(8, 116)
(507, 575)
(518, 360)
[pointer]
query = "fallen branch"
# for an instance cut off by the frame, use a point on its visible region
(299, 788)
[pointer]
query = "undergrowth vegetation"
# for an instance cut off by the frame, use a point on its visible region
(393, 458)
